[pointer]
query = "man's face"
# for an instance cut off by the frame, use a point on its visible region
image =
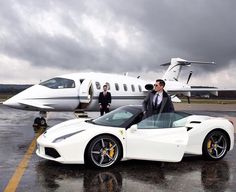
(105, 88)
(158, 87)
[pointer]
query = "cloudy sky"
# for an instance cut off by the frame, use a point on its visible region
(42, 39)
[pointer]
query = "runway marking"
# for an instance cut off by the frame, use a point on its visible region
(16, 178)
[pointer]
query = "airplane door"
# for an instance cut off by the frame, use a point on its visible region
(85, 91)
(166, 144)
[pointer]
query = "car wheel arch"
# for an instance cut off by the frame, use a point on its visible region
(104, 134)
(223, 131)
(205, 151)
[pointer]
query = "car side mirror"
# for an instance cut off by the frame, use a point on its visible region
(149, 87)
(133, 128)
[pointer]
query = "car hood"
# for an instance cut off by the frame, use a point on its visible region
(67, 127)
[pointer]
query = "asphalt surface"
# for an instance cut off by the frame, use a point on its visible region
(22, 170)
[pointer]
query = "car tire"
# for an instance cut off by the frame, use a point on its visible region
(103, 151)
(215, 145)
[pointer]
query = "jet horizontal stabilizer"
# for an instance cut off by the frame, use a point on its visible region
(195, 62)
(165, 64)
(186, 63)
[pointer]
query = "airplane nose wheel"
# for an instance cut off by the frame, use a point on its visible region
(40, 122)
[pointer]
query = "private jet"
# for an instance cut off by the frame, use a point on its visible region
(79, 91)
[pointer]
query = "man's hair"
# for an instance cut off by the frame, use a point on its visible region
(161, 82)
(105, 85)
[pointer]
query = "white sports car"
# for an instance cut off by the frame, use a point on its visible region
(123, 134)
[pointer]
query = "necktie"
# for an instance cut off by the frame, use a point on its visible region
(156, 101)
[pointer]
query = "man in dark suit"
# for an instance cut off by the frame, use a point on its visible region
(104, 100)
(157, 101)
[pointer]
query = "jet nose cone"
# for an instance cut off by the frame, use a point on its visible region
(11, 103)
(7, 102)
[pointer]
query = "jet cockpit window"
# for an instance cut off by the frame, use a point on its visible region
(58, 83)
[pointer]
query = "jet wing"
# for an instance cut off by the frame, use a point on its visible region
(212, 90)
(200, 88)
(35, 105)
(184, 90)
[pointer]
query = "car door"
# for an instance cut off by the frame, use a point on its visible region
(149, 141)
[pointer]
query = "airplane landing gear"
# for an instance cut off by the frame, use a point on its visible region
(80, 114)
(40, 122)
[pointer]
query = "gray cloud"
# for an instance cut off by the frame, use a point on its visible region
(118, 36)
(194, 30)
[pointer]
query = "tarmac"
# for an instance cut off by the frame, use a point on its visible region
(22, 170)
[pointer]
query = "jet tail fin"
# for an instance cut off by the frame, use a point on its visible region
(175, 67)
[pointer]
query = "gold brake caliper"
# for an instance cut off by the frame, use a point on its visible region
(112, 151)
(209, 143)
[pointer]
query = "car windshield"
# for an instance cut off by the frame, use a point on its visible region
(58, 83)
(164, 120)
(121, 117)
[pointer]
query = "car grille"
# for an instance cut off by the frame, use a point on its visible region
(52, 152)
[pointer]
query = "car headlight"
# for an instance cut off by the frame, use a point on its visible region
(62, 138)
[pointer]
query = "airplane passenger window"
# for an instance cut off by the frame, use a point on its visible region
(125, 87)
(117, 86)
(133, 88)
(98, 85)
(58, 83)
(108, 85)
(140, 88)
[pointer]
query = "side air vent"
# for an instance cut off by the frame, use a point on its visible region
(197, 122)
(190, 125)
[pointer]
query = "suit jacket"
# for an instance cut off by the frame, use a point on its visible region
(104, 100)
(166, 104)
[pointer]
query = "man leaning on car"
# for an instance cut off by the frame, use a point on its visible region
(157, 101)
